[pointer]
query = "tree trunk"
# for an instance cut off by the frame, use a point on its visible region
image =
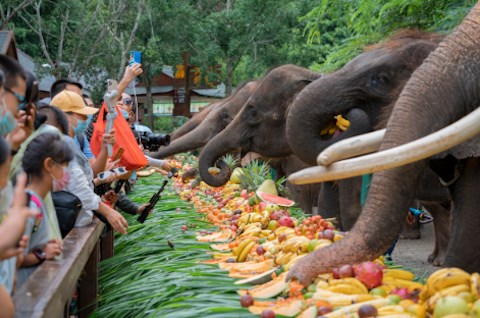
(151, 120)
(228, 89)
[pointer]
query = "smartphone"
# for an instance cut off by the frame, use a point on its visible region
(119, 154)
(120, 171)
(111, 85)
(135, 57)
(31, 100)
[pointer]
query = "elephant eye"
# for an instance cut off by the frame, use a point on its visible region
(380, 79)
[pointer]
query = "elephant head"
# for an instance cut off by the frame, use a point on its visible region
(217, 119)
(363, 91)
(193, 122)
(441, 91)
(260, 125)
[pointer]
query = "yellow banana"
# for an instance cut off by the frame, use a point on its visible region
(278, 259)
(349, 281)
(271, 237)
(322, 285)
(326, 130)
(317, 247)
(475, 284)
(280, 230)
(251, 232)
(346, 289)
(396, 308)
(377, 303)
(290, 242)
(294, 260)
(402, 283)
(242, 246)
(398, 273)
(342, 123)
(287, 258)
(245, 252)
(297, 247)
(266, 232)
(448, 279)
(449, 291)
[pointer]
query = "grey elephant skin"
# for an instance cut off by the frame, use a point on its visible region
(364, 91)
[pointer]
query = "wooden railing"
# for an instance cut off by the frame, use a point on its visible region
(49, 290)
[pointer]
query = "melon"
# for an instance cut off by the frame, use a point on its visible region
(268, 290)
(310, 312)
(257, 279)
(222, 236)
(214, 261)
(268, 186)
(289, 309)
(257, 268)
(267, 197)
(236, 176)
(239, 265)
(221, 247)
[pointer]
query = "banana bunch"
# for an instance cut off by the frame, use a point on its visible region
(392, 310)
(398, 273)
(342, 123)
(330, 129)
(248, 218)
(252, 229)
(222, 255)
(242, 250)
(475, 285)
(353, 309)
(294, 260)
(390, 283)
(231, 204)
(448, 291)
(443, 278)
(322, 243)
(348, 285)
(295, 243)
(283, 258)
(265, 218)
(284, 229)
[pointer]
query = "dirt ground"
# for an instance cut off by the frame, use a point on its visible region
(414, 253)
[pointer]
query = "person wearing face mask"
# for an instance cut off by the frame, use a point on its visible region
(14, 123)
(46, 162)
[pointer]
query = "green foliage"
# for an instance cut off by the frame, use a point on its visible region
(167, 124)
(371, 21)
(231, 160)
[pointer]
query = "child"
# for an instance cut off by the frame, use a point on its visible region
(46, 163)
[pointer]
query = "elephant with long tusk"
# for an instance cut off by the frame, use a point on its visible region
(445, 88)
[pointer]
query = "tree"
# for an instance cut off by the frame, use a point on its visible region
(11, 7)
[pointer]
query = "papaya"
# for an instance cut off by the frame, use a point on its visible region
(267, 290)
(288, 309)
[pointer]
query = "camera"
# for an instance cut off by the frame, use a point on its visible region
(150, 141)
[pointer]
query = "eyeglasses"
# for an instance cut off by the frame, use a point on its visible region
(20, 98)
(126, 101)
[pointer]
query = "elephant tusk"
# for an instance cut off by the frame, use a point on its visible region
(351, 147)
(419, 149)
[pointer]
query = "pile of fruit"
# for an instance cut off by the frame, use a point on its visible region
(256, 236)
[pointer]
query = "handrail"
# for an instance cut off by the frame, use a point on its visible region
(47, 292)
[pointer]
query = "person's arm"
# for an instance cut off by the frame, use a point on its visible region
(52, 249)
(125, 204)
(101, 160)
(130, 74)
(116, 220)
(6, 303)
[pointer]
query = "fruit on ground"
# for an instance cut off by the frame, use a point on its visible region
(367, 311)
(328, 234)
(378, 292)
(370, 274)
(476, 309)
(246, 300)
(268, 290)
(310, 312)
(450, 305)
(272, 225)
(237, 173)
(272, 207)
(346, 271)
(184, 227)
(267, 313)
(267, 197)
(269, 187)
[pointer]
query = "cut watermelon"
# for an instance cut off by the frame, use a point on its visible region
(274, 199)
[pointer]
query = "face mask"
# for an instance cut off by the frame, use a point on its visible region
(8, 121)
(60, 184)
(125, 113)
(81, 126)
(6, 198)
(89, 119)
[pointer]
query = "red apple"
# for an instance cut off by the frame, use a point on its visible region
(346, 271)
(335, 273)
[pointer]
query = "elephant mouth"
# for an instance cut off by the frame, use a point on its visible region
(245, 149)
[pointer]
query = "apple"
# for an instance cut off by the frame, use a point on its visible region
(271, 207)
(260, 250)
(346, 271)
(244, 194)
(329, 235)
(335, 273)
(272, 225)
(450, 305)
(282, 237)
(261, 206)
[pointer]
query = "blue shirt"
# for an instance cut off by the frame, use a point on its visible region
(86, 147)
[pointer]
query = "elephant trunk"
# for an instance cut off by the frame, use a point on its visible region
(309, 115)
(215, 149)
(196, 138)
(442, 90)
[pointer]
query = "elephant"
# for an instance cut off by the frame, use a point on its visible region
(217, 119)
(260, 127)
(193, 122)
(440, 92)
(364, 92)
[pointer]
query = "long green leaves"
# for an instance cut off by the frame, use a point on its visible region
(147, 278)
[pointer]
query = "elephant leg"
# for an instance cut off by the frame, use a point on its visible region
(328, 202)
(441, 223)
(464, 248)
(301, 195)
(350, 206)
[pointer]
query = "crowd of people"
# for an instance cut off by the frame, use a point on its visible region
(50, 180)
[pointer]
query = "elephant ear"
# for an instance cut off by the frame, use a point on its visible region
(469, 148)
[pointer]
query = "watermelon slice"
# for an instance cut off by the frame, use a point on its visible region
(274, 199)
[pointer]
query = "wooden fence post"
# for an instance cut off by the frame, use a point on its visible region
(107, 245)
(88, 290)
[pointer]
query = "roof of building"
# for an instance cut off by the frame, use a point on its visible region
(7, 43)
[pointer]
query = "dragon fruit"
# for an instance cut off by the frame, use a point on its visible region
(370, 274)
(404, 293)
(277, 215)
(285, 221)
